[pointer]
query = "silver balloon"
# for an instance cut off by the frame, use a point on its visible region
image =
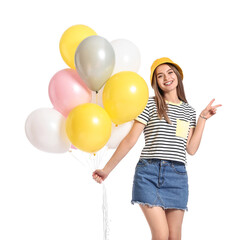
(95, 61)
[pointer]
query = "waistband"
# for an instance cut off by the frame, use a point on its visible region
(161, 161)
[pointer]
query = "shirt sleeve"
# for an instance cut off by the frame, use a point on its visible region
(193, 118)
(144, 116)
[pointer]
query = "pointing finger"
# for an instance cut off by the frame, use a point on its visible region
(219, 105)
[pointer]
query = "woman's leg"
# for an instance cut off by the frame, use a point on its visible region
(157, 221)
(174, 219)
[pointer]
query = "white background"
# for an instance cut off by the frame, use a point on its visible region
(52, 196)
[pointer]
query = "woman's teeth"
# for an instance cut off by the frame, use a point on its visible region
(168, 83)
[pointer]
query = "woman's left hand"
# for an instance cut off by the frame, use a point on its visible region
(209, 111)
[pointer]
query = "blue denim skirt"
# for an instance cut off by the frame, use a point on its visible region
(161, 183)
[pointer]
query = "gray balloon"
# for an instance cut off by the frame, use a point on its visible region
(95, 61)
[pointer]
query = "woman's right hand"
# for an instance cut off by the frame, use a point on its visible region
(99, 175)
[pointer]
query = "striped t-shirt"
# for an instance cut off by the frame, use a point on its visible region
(163, 140)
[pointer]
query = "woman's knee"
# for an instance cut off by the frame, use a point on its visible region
(160, 235)
(174, 235)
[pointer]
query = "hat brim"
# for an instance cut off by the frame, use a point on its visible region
(172, 63)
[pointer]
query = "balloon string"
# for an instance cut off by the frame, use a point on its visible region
(96, 97)
(101, 154)
(96, 163)
(90, 161)
(93, 162)
(105, 214)
(85, 165)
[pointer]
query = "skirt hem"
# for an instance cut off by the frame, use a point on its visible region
(157, 205)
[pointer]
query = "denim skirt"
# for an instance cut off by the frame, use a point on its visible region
(162, 183)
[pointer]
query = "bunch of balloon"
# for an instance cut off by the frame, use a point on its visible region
(94, 100)
(99, 91)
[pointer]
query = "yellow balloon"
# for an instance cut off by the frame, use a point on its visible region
(125, 96)
(71, 39)
(88, 127)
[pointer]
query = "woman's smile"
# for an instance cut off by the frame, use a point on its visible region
(168, 83)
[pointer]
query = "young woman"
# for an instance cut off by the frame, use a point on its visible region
(169, 123)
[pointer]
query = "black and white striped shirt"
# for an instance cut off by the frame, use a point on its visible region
(163, 140)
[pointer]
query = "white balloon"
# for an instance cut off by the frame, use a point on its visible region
(97, 97)
(45, 129)
(118, 134)
(127, 56)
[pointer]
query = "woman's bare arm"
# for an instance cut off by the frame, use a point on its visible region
(124, 147)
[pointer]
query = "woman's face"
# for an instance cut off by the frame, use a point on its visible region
(166, 78)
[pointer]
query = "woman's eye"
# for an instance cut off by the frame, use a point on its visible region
(170, 72)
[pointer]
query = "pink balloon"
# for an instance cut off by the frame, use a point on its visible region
(67, 90)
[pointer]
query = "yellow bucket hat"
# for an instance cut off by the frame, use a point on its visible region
(162, 60)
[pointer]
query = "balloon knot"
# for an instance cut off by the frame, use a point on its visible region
(116, 125)
(96, 92)
(94, 154)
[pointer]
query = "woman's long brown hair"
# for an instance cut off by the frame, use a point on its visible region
(159, 97)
